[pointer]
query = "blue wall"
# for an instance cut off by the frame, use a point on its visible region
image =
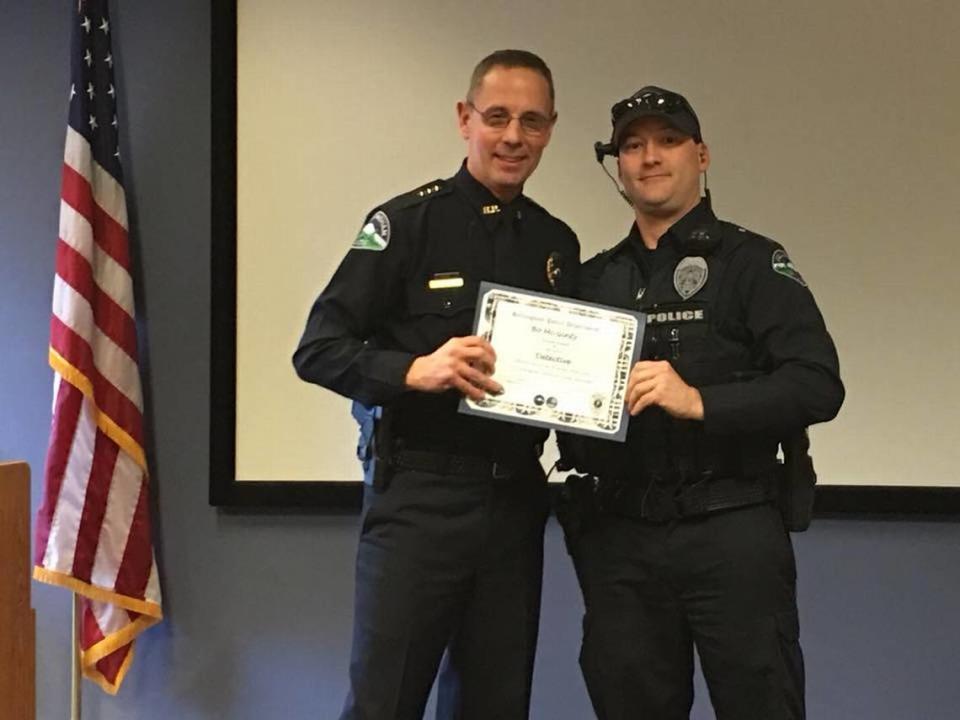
(258, 607)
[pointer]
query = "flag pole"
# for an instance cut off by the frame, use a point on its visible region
(75, 688)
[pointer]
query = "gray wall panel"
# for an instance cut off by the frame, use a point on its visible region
(259, 607)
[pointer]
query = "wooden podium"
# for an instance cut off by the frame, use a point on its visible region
(17, 624)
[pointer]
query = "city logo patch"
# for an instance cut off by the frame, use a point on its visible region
(690, 276)
(781, 264)
(375, 235)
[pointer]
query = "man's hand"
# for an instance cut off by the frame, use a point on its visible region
(655, 382)
(461, 363)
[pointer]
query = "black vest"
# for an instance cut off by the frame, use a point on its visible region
(694, 325)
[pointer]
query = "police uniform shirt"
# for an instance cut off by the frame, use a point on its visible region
(751, 338)
(410, 283)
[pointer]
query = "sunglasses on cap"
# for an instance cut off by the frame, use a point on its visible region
(665, 102)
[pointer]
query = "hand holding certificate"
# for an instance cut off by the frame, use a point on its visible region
(562, 363)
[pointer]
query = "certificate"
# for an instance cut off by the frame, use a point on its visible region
(563, 364)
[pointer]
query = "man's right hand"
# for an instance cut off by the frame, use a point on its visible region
(461, 363)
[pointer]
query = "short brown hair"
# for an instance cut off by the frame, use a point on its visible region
(509, 59)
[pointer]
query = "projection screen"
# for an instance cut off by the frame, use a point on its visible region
(833, 128)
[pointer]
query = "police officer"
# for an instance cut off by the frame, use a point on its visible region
(451, 544)
(679, 542)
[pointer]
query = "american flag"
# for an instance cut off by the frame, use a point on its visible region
(93, 527)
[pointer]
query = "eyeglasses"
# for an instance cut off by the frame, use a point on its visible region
(665, 102)
(533, 124)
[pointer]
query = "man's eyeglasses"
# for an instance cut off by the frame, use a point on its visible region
(533, 124)
(665, 102)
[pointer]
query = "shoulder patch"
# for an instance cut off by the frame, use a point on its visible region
(781, 263)
(375, 234)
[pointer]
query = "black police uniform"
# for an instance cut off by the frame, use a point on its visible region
(451, 544)
(684, 545)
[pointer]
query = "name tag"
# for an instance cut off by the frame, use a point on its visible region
(445, 281)
(655, 317)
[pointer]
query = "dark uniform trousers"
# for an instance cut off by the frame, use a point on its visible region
(683, 549)
(451, 547)
(725, 582)
(448, 560)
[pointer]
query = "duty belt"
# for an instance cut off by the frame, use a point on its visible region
(658, 502)
(449, 464)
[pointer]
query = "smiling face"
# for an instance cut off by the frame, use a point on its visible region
(502, 158)
(660, 168)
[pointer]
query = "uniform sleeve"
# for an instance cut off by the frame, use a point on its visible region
(338, 348)
(797, 382)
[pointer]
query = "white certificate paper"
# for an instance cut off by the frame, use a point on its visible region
(563, 363)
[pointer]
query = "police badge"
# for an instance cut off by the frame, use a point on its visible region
(554, 269)
(690, 276)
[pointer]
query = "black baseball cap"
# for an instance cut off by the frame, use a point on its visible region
(649, 101)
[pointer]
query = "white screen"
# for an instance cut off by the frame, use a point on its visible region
(834, 128)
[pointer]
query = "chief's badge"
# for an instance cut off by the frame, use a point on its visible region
(690, 276)
(781, 263)
(554, 269)
(375, 235)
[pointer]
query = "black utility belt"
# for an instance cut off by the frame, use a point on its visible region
(660, 502)
(441, 463)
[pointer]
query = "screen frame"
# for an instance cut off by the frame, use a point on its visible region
(226, 491)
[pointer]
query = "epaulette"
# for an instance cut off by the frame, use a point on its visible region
(734, 236)
(415, 197)
(735, 230)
